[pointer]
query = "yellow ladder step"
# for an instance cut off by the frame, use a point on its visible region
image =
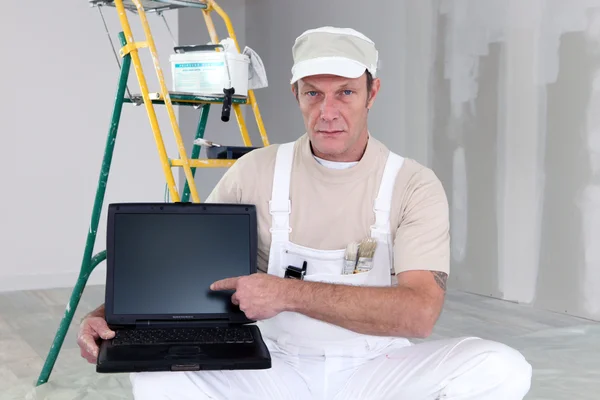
(204, 163)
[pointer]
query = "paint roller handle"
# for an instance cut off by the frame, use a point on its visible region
(226, 112)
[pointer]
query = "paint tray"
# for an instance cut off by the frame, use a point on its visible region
(227, 152)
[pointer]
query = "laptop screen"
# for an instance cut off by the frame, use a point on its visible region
(164, 262)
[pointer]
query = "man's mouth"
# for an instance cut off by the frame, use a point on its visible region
(330, 132)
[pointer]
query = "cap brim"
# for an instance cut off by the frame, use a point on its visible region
(328, 66)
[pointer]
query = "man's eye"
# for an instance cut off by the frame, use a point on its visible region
(348, 92)
(311, 93)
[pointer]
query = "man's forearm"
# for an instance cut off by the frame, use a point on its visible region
(386, 311)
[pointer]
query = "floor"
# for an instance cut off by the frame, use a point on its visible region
(563, 350)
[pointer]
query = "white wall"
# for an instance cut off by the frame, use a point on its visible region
(59, 79)
(500, 98)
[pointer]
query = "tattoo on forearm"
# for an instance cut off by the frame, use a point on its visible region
(440, 278)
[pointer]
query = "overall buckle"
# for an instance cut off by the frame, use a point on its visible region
(276, 208)
(292, 272)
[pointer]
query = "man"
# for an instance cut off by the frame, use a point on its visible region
(334, 335)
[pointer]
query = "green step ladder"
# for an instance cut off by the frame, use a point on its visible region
(220, 159)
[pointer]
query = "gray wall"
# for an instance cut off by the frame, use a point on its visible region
(498, 98)
(515, 139)
(271, 28)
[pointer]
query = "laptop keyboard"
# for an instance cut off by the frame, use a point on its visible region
(183, 335)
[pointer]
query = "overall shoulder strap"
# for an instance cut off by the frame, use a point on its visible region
(280, 205)
(383, 202)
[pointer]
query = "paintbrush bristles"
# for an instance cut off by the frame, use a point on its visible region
(367, 247)
(366, 251)
(351, 251)
(350, 258)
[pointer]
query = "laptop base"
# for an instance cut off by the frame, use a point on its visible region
(183, 356)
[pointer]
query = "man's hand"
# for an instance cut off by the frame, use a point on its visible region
(93, 327)
(259, 296)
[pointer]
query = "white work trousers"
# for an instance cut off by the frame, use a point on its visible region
(450, 369)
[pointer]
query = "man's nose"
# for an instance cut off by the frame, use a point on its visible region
(329, 109)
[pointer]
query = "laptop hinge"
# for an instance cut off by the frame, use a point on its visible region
(224, 322)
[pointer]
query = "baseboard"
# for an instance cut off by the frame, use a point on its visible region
(9, 283)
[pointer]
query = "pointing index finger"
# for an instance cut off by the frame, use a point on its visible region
(224, 284)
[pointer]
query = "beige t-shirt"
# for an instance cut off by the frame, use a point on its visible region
(333, 207)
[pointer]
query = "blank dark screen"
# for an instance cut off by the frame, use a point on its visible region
(165, 263)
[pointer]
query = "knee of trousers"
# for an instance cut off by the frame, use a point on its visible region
(161, 386)
(506, 364)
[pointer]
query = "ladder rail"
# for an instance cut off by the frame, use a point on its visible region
(212, 5)
(169, 105)
(135, 60)
(204, 110)
(89, 262)
(210, 25)
(242, 124)
(259, 122)
(214, 37)
(149, 105)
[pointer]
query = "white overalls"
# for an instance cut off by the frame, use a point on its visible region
(324, 265)
(296, 333)
(312, 359)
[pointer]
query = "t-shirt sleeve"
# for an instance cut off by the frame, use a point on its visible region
(229, 187)
(423, 239)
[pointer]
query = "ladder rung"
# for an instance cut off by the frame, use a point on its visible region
(154, 5)
(184, 99)
(204, 163)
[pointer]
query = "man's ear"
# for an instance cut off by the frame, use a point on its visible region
(295, 90)
(374, 90)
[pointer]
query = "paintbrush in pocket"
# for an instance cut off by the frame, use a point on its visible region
(350, 258)
(366, 251)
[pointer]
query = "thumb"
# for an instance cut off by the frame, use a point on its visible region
(101, 328)
(106, 334)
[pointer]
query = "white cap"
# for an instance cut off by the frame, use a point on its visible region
(336, 51)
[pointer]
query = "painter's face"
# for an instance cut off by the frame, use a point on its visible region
(335, 113)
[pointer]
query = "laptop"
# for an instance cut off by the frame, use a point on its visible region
(161, 260)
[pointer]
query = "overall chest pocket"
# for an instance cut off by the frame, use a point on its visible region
(321, 265)
(329, 262)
